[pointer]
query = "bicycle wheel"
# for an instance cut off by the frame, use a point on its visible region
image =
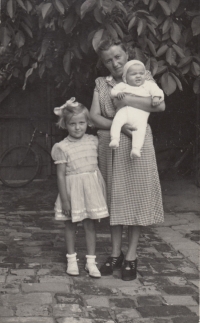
(18, 166)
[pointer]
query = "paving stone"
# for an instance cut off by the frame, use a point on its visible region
(51, 279)
(89, 289)
(82, 320)
(27, 320)
(179, 300)
(2, 279)
(64, 310)
(126, 316)
(98, 313)
(97, 301)
(46, 287)
(179, 290)
(64, 298)
(33, 310)
(179, 281)
(194, 309)
(144, 290)
(32, 298)
(163, 311)
(25, 279)
(187, 319)
(9, 288)
(195, 282)
(22, 272)
(6, 311)
(148, 300)
(122, 302)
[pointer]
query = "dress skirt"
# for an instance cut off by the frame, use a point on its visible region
(87, 195)
(133, 186)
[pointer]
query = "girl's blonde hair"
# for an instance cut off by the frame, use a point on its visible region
(69, 111)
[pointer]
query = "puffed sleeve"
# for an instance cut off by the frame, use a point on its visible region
(58, 155)
(95, 140)
(97, 84)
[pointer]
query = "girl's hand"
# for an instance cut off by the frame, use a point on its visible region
(66, 208)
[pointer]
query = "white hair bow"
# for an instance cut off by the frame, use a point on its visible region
(58, 110)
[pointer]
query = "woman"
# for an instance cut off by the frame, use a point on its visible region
(133, 188)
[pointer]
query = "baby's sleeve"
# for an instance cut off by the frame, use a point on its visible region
(156, 91)
(58, 155)
(120, 87)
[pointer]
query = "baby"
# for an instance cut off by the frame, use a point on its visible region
(134, 83)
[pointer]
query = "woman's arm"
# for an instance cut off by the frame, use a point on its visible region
(61, 170)
(95, 113)
(138, 102)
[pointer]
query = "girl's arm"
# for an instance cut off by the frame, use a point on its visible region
(95, 113)
(61, 171)
(138, 102)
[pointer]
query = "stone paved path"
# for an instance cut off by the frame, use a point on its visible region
(34, 287)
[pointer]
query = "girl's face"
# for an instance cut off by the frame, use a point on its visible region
(77, 126)
(135, 75)
(114, 59)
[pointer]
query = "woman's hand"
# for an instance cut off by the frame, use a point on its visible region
(127, 130)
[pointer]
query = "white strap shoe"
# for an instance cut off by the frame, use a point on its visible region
(72, 267)
(91, 267)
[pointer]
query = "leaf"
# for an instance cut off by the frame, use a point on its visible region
(153, 4)
(107, 6)
(140, 27)
(196, 86)
(59, 6)
(21, 4)
(41, 69)
(19, 39)
(70, 22)
(29, 6)
(4, 36)
(170, 56)
(152, 65)
(43, 50)
(120, 6)
(178, 82)
(153, 20)
(178, 50)
(195, 68)
(162, 50)
(146, 2)
(97, 14)
(11, 8)
(119, 31)
(27, 29)
(67, 62)
(173, 4)
(175, 32)
(87, 6)
(185, 61)
(77, 53)
(139, 54)
(165, 36)
(151, 29)
(168, 83)
(112, 31)
(151, 47)
(196, 26)
(45, 9)
(28, 73)
(25, 60)
(132, 22)
(165, 7)
(97, 38)
(166, 25)
(185, 69)
(161, 69)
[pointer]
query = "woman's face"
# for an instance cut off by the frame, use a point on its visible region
(114, 59)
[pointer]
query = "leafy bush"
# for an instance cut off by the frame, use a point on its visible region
(58, 39)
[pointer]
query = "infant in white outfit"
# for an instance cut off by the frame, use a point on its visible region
(134, 83)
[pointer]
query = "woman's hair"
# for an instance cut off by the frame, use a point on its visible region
(70, 111)
(105, 44)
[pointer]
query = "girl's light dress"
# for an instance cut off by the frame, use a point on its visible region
(84, 183)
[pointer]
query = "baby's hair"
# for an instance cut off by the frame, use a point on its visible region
(69, 111)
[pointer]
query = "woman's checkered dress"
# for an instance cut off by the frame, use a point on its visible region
(133, 187)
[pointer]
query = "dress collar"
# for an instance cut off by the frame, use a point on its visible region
(72, 139)
(110, 80)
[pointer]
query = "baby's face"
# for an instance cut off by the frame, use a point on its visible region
(135, 75)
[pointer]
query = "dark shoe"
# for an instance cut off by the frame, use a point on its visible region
(111, 264)
(129, 270)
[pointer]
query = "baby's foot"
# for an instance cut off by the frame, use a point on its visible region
(135, 153)
(114, 144)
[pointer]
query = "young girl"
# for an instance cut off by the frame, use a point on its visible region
(81, 186)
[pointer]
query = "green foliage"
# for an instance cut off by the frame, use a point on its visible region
(58, 39)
